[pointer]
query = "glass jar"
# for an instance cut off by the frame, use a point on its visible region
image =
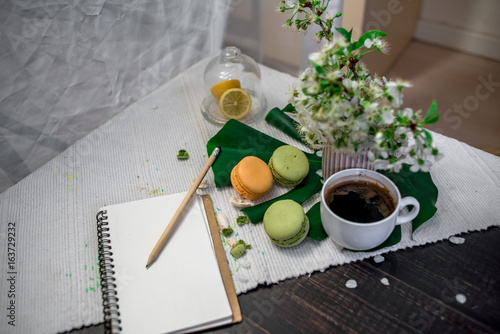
(244, 73)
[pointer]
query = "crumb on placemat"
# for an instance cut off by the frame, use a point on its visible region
(240, 202)
(242, 220)
(227, 231)
(239, 249)
(183, 154)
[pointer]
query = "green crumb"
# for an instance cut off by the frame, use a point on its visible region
(242, 220)
(237, 250)
(182, 154)
(240, 248)
(247, 246)
(227, 231)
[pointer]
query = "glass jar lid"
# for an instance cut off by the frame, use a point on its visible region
(233, 73)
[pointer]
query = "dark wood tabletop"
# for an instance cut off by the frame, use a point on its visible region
(427, 286)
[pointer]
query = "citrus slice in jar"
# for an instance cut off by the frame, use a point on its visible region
(235, 103)
(220, 88)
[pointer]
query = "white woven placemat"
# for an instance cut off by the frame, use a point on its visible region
(133, 156)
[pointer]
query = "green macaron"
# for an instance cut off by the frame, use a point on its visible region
(286, 223)
(289, 165)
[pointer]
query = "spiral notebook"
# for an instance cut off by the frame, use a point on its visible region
(189, 287)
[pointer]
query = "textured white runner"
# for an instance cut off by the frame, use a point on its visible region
(133, 156)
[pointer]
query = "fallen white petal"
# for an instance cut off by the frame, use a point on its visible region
(245, 263)
(222, 220)
(231, 241)
(203, 184)
(351, 284)
(378, 258)
(456, 240)
(461, 298)
(240, 202)
(384, 281)
(242, 278)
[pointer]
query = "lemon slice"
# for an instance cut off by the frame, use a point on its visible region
(218, 89)
(235, 103)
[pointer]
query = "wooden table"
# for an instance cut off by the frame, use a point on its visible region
(420, 298)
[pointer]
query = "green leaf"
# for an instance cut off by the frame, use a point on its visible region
(420, 186)
(372, 34)
(433, 120)
(308, 187)
(289, 108)
(347, 34)
(428, 136)
(237, 141)
(431, 116)
(318, 68)
(283, 122)
(316, 231)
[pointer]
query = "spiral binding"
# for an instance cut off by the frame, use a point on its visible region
(108, 287)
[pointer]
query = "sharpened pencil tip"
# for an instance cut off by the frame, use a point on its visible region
(147, 266)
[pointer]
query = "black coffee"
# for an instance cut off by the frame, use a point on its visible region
(360, 201)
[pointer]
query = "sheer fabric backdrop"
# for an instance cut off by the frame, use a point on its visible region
(68, 66)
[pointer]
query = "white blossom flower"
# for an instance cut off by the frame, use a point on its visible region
(388, 116)
(338, 104)
(407, 112)
(315, 57)
(381, 45)
(368, 43)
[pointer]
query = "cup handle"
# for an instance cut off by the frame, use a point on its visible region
(410, 215)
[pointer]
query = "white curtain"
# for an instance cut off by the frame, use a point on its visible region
(68, 66)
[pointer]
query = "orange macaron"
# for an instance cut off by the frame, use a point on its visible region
(251, 178)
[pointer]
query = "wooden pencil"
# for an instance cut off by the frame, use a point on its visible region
(173, 222)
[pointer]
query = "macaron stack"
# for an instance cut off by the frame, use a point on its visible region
(289, 165)
(251, 178)
(286, 223)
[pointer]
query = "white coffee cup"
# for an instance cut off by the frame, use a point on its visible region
(364, 236)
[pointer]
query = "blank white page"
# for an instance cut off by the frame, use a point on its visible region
(183, 288)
